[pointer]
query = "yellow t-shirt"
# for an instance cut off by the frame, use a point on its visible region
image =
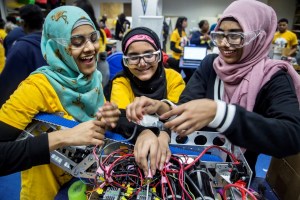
(2, 50)
(288, 39)
(175, 37)
(102, 44)
(35, 94)
(123, 95)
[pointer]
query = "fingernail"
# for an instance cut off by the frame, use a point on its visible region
(160, 167)
(153, 172)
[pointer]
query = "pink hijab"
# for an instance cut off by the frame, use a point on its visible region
(243, 80)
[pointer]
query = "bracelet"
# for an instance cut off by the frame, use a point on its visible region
(170, 103)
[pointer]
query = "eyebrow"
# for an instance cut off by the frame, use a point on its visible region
(88, 34)
(231, 30)
(136, 54)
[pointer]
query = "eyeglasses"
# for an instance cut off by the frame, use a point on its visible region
(78, 41)
(148, 58)
(235, 39)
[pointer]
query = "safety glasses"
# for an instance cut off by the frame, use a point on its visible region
(134, 60)
(78, 41)
(235, 39)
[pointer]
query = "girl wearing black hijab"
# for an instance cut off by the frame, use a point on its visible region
(144, 75)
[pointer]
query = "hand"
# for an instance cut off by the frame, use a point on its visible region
(206, 37)
(142, 106)
(86, 133)
(109, 114)
(191, 116)
(164, 140)
(145, 144)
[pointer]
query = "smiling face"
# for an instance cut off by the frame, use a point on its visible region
(85, 57)
(143, 71)
(230, 54)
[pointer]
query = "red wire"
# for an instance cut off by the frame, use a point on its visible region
(180, 178)
(208, 148)
(169, 184)
(242, 190)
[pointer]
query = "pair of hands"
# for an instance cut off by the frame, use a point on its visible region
(154, 148)
(190, 116)
(89, 132)
(205, 37)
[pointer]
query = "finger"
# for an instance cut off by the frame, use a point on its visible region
(109, 106)
(184, 133)
(176, 121)
(175, 111)
(168, 157)
(97, 142)
(97, 124)
(130, 113)
(138, 111)
(154, 154)
(144, 161)
(98, 135)
(162, 159)
(182, 125)
(141, 157)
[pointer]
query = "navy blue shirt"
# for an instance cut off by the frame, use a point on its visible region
(24, 57)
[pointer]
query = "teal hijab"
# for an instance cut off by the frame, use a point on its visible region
(81, 96)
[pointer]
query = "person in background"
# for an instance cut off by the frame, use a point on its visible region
(2, 50)
(13, 35)
(102, 64)
(144, 75)
(241, 93)
(70, 85)
(165, 33)
(11, 23)
(25, 55)
(122, 26)
(284, 38)
(201, 37)
(104, 27)
(178, 40)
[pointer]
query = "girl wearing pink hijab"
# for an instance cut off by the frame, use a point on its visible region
(241, 93)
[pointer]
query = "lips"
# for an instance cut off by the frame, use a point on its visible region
(143, 69)
(87, 59)
(228, 53)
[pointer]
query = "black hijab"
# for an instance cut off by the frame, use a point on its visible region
(156, 87)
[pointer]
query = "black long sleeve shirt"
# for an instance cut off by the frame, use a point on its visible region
(273, 128)
(21, 155)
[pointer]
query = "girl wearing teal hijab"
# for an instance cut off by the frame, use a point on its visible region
(79, 93)
(71, 86)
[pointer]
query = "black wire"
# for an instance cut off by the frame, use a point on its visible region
(194, 185)
(172, 182)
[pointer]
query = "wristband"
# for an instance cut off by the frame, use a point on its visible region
(170, 103)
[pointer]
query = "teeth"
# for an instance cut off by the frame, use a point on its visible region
(87, 58)
(228, 52)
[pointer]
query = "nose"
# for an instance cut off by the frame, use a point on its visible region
(89, 45)
(142, 62)
(225, 43)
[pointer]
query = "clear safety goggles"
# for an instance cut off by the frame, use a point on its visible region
(134, 60)
(234, 39)
(78, 41)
